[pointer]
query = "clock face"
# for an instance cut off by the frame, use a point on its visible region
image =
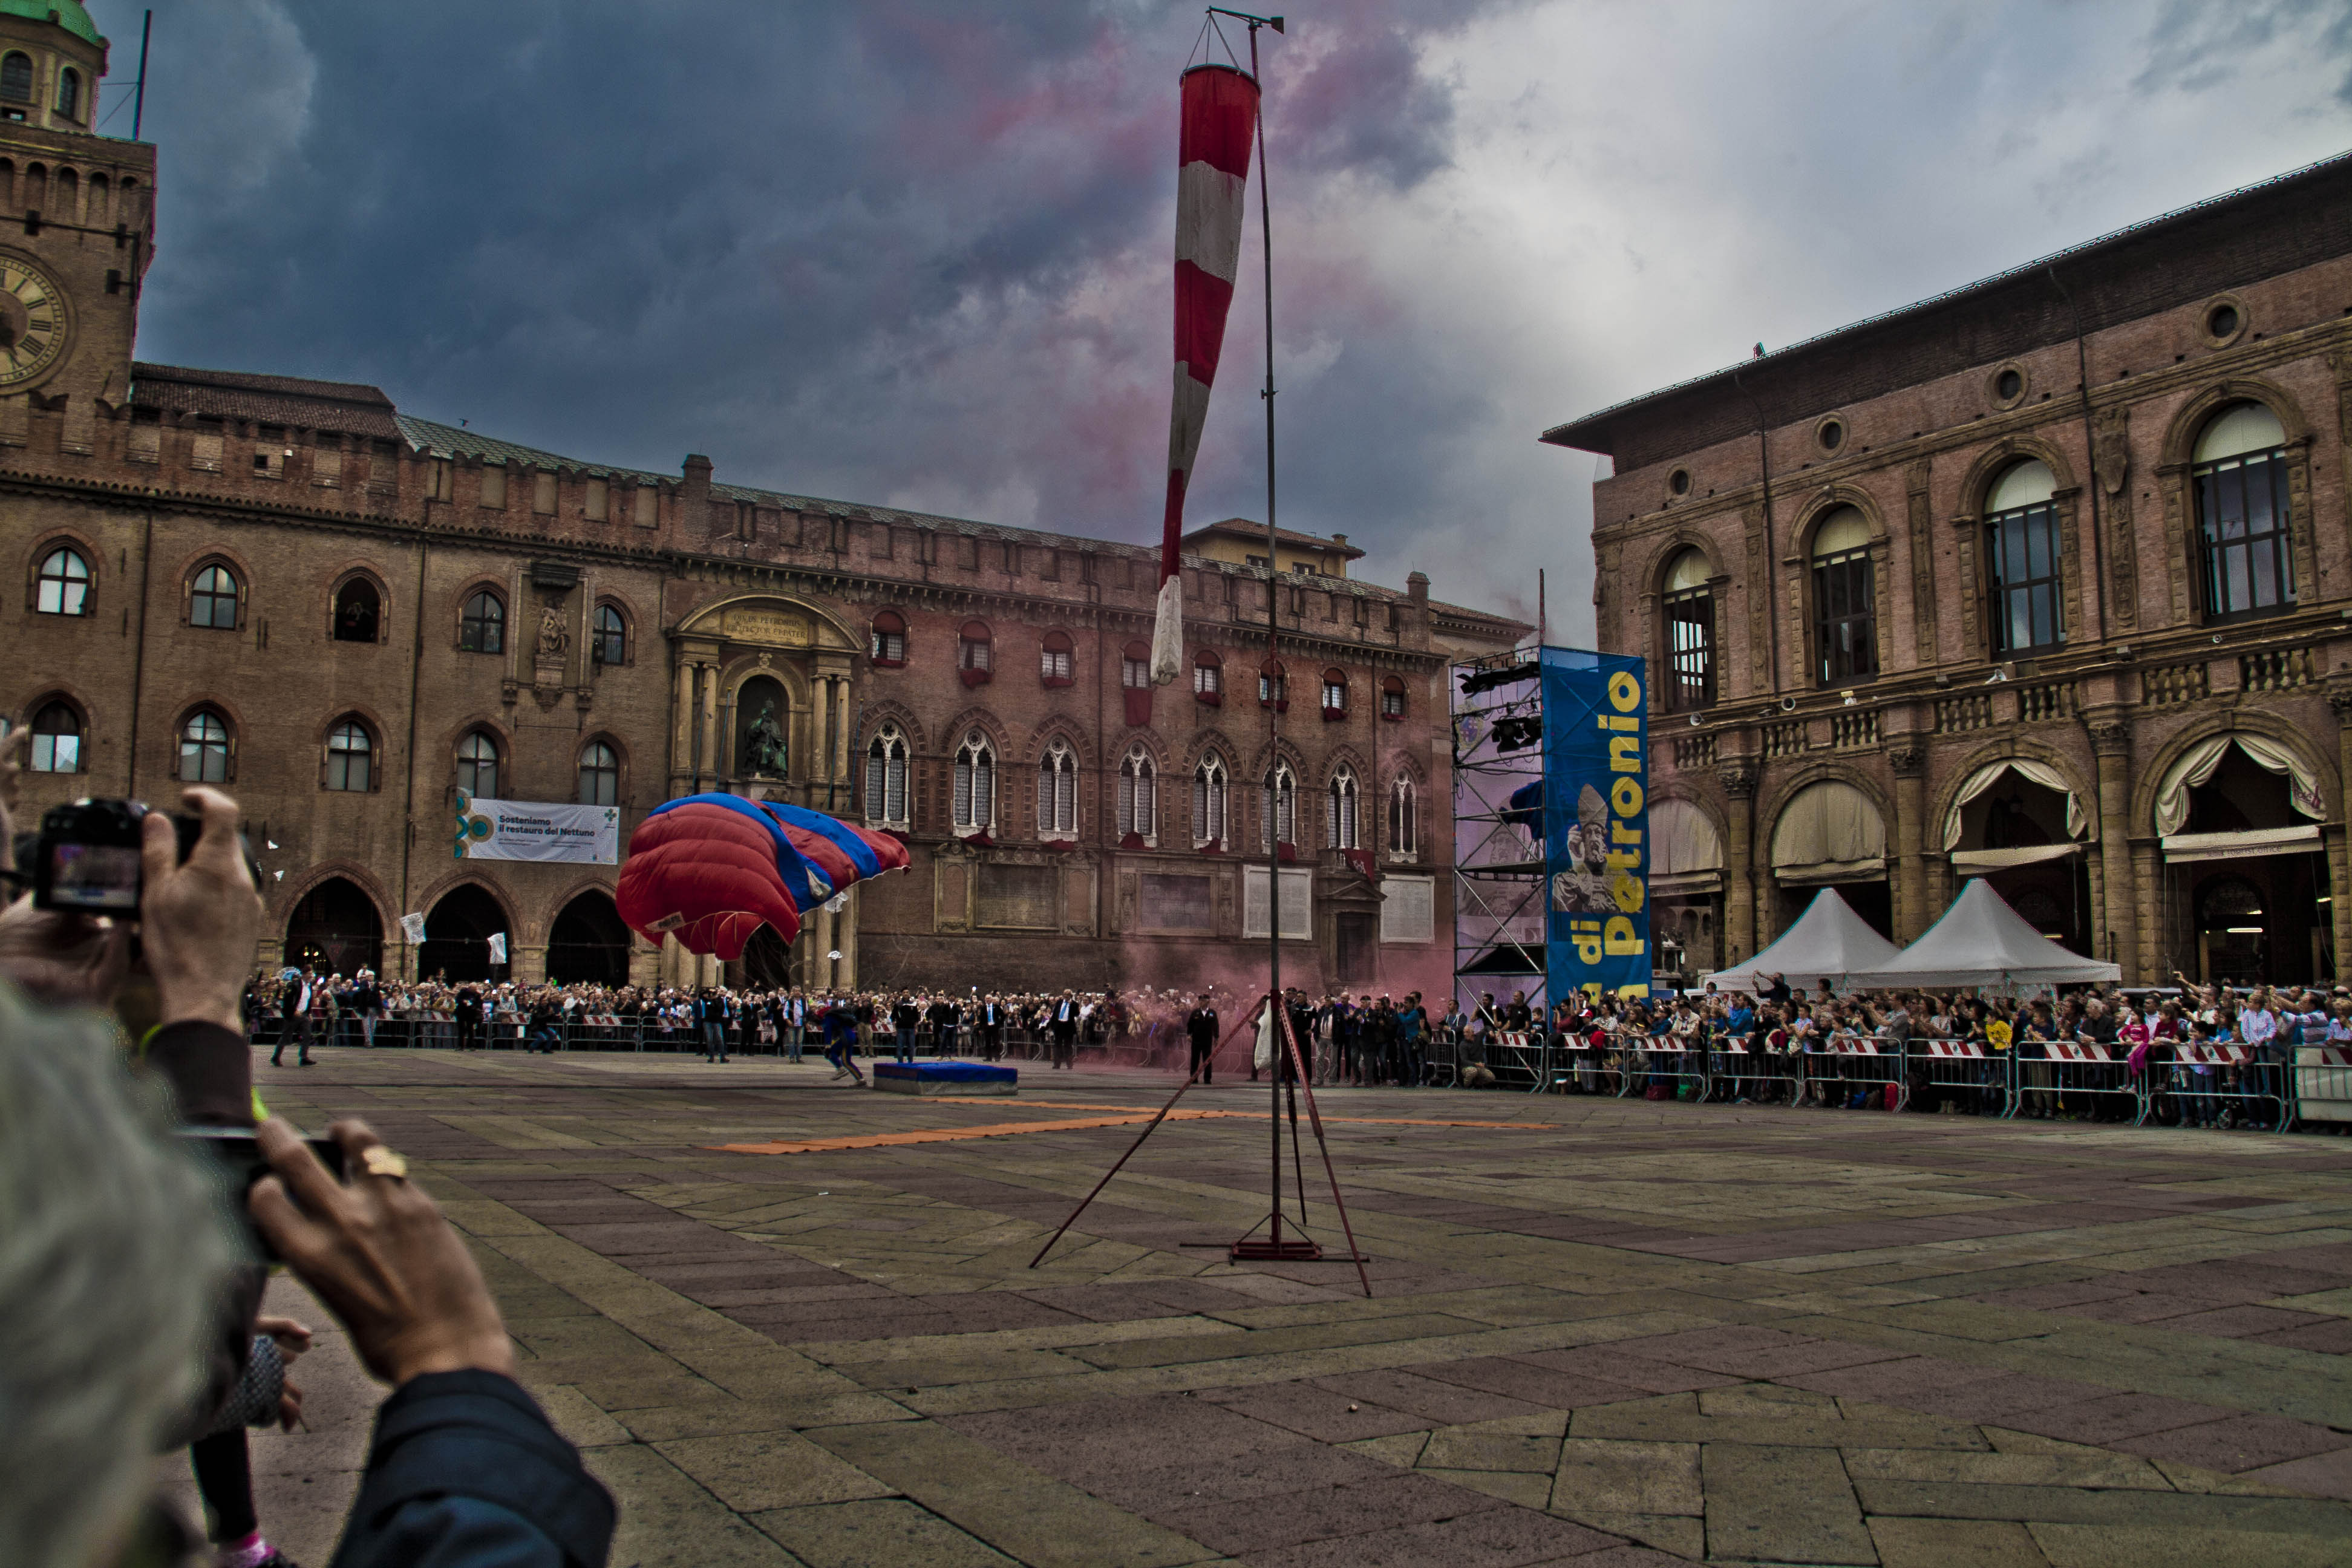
(33, 326)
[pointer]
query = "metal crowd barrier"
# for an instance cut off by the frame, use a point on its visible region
(1660, 1061)
(2083, 1071)
(1739, 1067)
(2323, 1083)
(1966, 1068)
(2236, 1079)
(1841, 1067)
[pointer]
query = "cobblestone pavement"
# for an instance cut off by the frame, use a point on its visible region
(1606, 1333)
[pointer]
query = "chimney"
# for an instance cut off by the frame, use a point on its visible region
(694, 491)
(1416, 588)
(1340, 539)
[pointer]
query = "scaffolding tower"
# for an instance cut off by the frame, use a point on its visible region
(1498, 848)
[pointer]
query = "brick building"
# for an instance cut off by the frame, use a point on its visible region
(2048, 579)
(346, 614)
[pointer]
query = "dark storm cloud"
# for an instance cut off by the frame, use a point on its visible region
(919, 253)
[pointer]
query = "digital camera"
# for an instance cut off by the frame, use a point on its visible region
(86, 859)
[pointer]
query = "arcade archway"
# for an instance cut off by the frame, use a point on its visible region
(335, 928)
(457, 936)
(588, 945)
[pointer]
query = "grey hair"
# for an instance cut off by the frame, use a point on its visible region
(113, 1245)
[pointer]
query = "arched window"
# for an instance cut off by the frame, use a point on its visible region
(56, 740)
(886, 778)
(600, 775)
(2021, 563)
(1138, 796)
(204, 748)
(482, 627)
(1208, 677)
(1339, 824)
(477, 764)
(1135, 667)
(1273, 685)
(1393, 697)
(70, 93)
(62, 587)
(1404, 819)
(16, 77)
(212, 599)
(359, 612)
(2238, 473)
(1057, 655)
(1690, 634)
(1278, 821)
(975, 652)
(1335, 693)
(1057, 792)
(975, 784)
(1846, 614)
(889, 641)
(351, 757)
(608, 641)
(1209, 801)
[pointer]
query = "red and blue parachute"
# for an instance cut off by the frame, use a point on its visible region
(710, 869)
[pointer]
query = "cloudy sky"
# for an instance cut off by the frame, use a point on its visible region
(918, 251)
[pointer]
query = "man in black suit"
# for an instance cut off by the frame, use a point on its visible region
(469, 1017)
(1201, 1023)
(1066, 1030)
(990, 1018)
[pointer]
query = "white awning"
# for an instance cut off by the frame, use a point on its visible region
(1688, 883)
(1829, 832)
(1829, 873)
(1977, 862)
(2032, 771)
(2181, 849)
(2203, 760)
(1682, 839)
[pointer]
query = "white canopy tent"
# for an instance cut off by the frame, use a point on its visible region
(1981, 941)
(1828, 941)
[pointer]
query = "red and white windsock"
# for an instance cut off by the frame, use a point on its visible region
(1220, 116)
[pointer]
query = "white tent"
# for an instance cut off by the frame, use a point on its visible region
(1981, 941)
(1829, 939)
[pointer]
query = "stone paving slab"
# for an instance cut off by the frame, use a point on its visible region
(1601, 1333)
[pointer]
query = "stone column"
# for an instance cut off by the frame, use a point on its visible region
(681, 743)
(845, 938)
(1909, 761)
(1738, 780)
(2339, 854)
(2117, 934)
(816, 934)
(709, 707)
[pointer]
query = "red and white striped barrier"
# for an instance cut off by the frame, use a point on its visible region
(1969, 1049)
(2215, 1056)
(2077, 1051)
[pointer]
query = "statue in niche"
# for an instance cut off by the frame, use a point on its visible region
(553, 638)
(764, 752)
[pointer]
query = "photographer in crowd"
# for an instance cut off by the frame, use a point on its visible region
(126, 1315)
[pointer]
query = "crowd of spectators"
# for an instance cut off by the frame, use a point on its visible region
(2205, 1051)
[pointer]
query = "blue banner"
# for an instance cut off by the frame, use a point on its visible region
(1596, 823)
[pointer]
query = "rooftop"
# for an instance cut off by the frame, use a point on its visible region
(2274, 226)
(362, 409)
(1255, 533)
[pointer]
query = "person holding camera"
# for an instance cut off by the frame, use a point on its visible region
(128, 1309)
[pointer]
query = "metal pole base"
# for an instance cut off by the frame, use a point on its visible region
(1290, 1249)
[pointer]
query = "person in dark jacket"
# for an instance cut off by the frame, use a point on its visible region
(1201, 1026)
(465, 1470)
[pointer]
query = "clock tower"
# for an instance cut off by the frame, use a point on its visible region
(76, 226)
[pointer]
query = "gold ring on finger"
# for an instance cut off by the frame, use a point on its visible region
(379, 1161)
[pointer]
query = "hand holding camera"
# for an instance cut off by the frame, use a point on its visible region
(184, 879)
